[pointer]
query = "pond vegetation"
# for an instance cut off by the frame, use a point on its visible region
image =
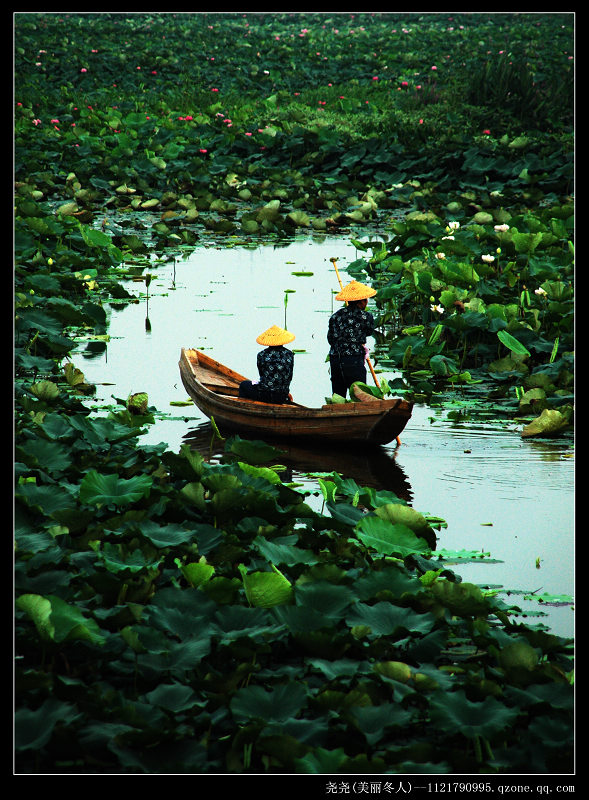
(174, 615)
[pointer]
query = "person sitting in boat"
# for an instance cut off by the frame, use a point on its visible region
(275, 366)
(347, 332)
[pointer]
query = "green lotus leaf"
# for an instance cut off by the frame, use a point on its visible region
(33, 728)
(58, 621)
(270, 212)
(198, 573)
(550, 422)
(49, 499)
(252, 450)
(266, 473)
(512, 343)
(396, 670)
(462, 599)
(520, 655)
(321, 761)
(249, 226)
(299, 218)
(386, 619)
(45, 390)
(170, 535)
(235, 622)
(372, 721)
(455, 713)
(389, 538)
(406, 515)
(38, 609)
(280, 704)
(137, 403)
(266, 589)
(53, 457)
(327, 598)
(281, 553)
(117, 559)
(194, 493)
(99, 489)
(173, 697)
(194, 458)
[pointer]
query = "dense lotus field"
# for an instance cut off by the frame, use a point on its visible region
(175, 616)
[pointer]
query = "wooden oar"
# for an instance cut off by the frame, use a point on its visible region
(333, 261)
(368, 361)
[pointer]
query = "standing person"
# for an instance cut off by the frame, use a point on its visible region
(347, 332)
(275, 367)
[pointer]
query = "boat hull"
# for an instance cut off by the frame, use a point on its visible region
(213, 388)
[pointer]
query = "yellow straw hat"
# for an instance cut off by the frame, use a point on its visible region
(355, 291)
(275, 336)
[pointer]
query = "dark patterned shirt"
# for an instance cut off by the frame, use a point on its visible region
(347, 331)
(275, 365)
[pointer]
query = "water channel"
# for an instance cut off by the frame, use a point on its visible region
(498, 493)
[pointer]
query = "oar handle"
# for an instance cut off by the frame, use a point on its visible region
(333, 260)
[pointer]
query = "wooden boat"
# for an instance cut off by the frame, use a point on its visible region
(214, 389)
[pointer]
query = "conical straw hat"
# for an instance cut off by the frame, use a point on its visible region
(275, 336)
(355, 291)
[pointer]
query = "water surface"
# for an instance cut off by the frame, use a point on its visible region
(499, 493)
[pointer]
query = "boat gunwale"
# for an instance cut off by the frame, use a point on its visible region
(376, 408)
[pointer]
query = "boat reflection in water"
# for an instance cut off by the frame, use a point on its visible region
(374, 467)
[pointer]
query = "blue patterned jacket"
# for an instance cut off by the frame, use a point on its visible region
(347, 331)
(275, 365)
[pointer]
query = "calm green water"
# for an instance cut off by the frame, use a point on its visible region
(499, 493)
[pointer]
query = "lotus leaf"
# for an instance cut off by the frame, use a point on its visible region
(99, 489)
(198, 573)
(518, 655)
(194, 492)
(59, 621)
(117, 560)
(456, 713)
(321, 761)
(396, 670)
(390, 538)
(234, 622)
(512, 343)
(34, 728)
(463, 599)
(550, 422)
(266, 589)
(173, 697)
(280, 704)
(386, 619)
(372, 721)
(278, 552)
(170, 535)
(49, 499)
